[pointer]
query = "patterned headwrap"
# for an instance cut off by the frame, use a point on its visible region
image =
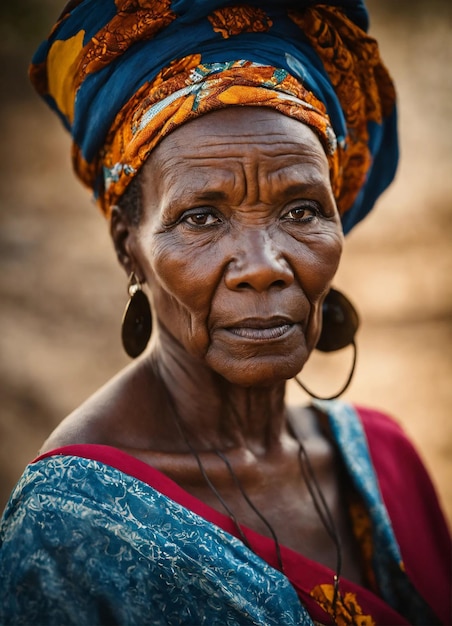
(123, 74)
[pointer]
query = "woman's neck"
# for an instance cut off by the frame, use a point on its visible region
(214, 413)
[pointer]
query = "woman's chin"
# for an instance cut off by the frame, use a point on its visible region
(260, 371)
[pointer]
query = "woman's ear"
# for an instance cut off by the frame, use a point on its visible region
(122, 234)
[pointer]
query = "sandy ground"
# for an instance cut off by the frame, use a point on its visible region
(62, 293)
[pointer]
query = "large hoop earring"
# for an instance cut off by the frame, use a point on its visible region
(136, 327)
(340, 322)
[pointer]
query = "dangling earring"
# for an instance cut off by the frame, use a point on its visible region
(340, 321)
(137, 319)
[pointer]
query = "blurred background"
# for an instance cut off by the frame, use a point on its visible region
(62, 292)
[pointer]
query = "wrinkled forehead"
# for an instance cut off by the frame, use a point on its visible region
(245, 120)
(259, 135)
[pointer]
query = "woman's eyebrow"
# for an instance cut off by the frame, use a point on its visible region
(212, 195)
(205, 195)
(293, 188)
(195, 198)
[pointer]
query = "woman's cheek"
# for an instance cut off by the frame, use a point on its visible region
(181, 295)
(316, 270)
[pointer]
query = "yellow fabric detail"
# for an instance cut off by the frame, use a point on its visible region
(61, 58)
(232, 95)
(348, 611)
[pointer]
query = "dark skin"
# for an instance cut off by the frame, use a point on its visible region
(239, 241)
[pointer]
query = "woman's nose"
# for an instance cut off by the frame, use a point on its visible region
(258, 265)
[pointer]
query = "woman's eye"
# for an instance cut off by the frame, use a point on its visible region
(201, 218)
(302, 213)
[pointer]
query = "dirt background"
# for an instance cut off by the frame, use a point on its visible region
(62, 293)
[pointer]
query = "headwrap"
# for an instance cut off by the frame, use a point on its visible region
(123, 74)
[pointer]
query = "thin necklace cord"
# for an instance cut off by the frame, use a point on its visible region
(312, 485)
(254, 508)
(324, 514)
(204, 473)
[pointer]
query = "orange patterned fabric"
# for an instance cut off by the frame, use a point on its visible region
(234, 20)
(187, 90)
(346, 612)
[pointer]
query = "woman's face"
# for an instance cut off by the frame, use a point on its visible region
(239, 241)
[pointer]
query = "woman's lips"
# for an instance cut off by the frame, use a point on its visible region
(261, 330)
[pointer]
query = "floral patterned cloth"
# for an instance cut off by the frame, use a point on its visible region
(94, 536)
(122, 74)
(111, 550)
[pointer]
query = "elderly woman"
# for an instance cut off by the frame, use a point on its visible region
(230, 148)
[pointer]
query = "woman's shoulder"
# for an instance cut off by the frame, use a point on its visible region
(388, 441)
(392, 450)
(375, 420)
(100, 419)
